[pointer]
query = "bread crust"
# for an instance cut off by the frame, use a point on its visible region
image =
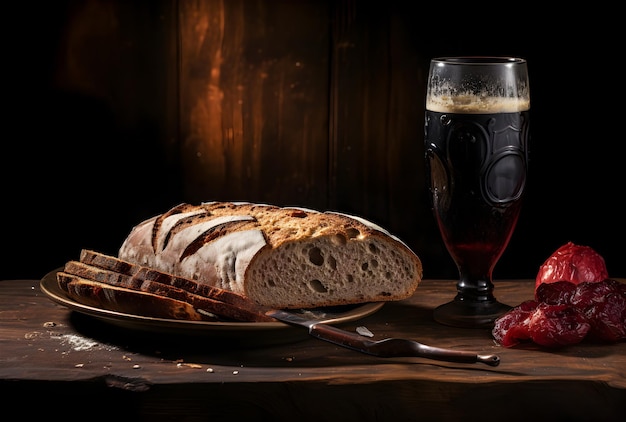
(140, 273)
(212, 303)
(129, 301)
(282, 257)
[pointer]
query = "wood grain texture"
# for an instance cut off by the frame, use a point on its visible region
(49, 353)
(254, 101)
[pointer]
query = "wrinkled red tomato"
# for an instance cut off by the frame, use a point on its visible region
(512, 328)
(573, 263)
(565, 313)
(557, 325)
(585, 303)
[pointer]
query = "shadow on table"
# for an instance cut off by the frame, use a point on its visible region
(289, 346)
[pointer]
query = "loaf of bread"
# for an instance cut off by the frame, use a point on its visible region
(277, 257)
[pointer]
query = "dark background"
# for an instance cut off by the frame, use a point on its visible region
(103, 101)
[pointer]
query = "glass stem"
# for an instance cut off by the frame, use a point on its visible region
(475, 289)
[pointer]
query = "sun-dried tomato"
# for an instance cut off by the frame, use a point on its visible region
(557, 325)
(565, 313)
(574, 299)
(604, 306)
(588, 293)
(512, 328)
(557, 293)
(571, 262)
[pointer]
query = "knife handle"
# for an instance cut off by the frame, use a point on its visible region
(395, 347)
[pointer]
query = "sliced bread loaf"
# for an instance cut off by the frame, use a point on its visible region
(120, 299)
(140, 273)
(161, 284)
(277, 257)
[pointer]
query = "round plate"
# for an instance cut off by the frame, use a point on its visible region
(330, 315)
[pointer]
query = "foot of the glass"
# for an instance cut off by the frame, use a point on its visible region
(459, 313)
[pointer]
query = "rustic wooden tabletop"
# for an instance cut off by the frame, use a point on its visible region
(68, 363)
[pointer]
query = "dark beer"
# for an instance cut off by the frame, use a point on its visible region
(476, 147)
(476, 169)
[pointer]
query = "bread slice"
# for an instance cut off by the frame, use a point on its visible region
(148, 282)
(277, 257)
(140, 273)
(134, 302)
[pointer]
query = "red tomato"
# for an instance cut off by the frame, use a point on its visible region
(573, 263)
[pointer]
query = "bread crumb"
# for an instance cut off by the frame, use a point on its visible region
(189, 365)
(364, 331)
(77, 342)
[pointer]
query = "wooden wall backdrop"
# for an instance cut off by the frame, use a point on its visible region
(122, 109)
(254, 80)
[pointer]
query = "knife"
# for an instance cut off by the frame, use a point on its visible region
(386, 348)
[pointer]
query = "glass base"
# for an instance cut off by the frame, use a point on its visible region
(459, 313)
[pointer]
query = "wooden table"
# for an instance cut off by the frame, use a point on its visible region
(58, 362)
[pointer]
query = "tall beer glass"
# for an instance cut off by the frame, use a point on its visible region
(476, 143)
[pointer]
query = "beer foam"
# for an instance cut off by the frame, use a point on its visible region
(476, 104)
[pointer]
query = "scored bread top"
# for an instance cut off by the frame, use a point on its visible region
(280, 257)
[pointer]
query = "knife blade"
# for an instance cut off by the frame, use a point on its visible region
(386, 348)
